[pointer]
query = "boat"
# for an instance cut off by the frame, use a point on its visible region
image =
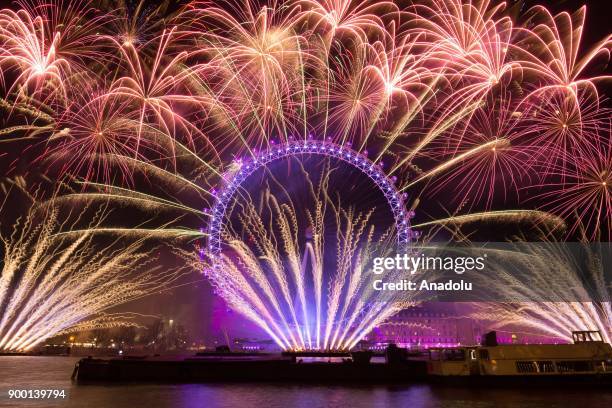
(588, 359)
(312, 367)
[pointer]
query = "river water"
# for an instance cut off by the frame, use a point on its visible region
(54, 373)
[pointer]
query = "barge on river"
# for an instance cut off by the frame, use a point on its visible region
(587, 361)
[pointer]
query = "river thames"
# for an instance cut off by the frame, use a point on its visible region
(17, 372)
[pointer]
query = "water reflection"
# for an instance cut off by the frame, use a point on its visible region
(54, 372)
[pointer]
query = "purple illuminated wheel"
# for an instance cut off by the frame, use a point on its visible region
(395, 199)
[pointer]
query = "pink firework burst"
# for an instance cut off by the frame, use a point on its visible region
(582, 192)
(96, 134)
(157, 89)
(353, 18)
(548, 48)
(48, 42)
(485, 160)
(469, 43)
(558, 122)
(26, 48)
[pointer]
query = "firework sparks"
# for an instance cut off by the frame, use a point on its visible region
(24, 45)
(51, 283)
(282, 282)
(583, 190)
(555, 300)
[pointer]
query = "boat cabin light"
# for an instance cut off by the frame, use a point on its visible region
(586, 336)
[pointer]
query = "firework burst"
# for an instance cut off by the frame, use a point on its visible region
(55, 278)
(583, 190)
(556, 300)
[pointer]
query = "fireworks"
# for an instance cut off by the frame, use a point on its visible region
(304, 307)
(45, 44)
(466, 110)
(52, 282)
(583, 192)
(26, 47)
(556, 300)
(457, 93)
(299, 267)
(335, 306)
